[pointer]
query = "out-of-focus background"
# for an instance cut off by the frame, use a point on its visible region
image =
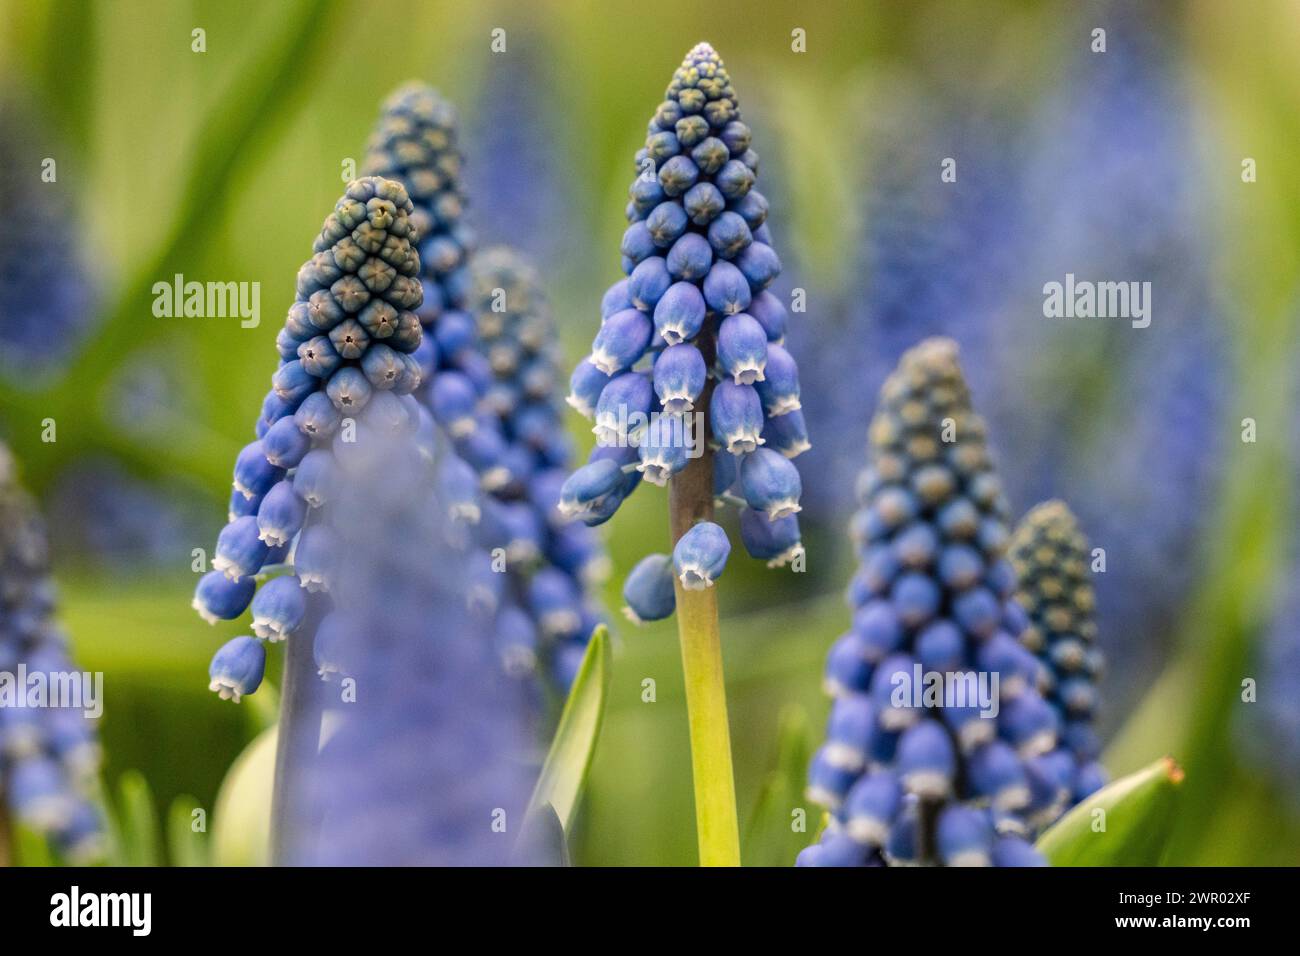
(1170, 158)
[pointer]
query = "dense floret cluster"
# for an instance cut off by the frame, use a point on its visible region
(693, 328)
(346, 348)
(489, 361)
(1050, 555)
(939, 746)
(49, 755)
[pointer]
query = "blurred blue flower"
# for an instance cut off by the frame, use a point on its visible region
(933, 744)
(1051, 559)
(428, 759)
(1100, 179)
(49, 750)
(47, 292)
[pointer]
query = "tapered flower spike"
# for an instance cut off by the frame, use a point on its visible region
(491, 362)
(47, 288)
(49, 755)
(357, 291)
(422, 767)
(911, 772)
(689, 334)
(1050, 556)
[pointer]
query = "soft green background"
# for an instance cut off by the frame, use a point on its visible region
(222, 165)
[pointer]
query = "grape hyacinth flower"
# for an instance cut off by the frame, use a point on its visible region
(49, 755)
(677, 385)
(949, 775)
(516, 335)
(490, 360)
(1098, 179)
(346, 348)
(425, 766)
(47, 291)
(1050, 557)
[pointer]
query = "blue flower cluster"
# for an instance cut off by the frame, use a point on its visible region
(1098, 179)
(347, 346)
(489, 359)
(49, 755)
(427, 765)
(550, 562)
(1050, 555)
(46, 289)
(694, 327)
(939, 748)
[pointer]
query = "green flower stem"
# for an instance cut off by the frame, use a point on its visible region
(297, 742)
(690, 499)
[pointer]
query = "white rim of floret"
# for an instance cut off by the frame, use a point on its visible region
(583, 408)
(782, 508)
(522, 551)
(204, 611)
(462, 427)
(797, 448)
(573, 508)
(1038, 744)
(226, 566)
(677, 402)
(976, 732)
(835, 689)
(927, 783)
(655, 472)
(324, 671)
(465, 511)
(22, 741)
(313, 581)
(972, 857)
(869, 830)
(273, 538)
(518, 661)
(784, 405)
(673, 334)
(561, 621)
(749, 372)
(743, 443)
(632, 615)
(495, 478)
(898, 718)
(822, 797)
(596, 569)
(791, 553)
(1014, 797)
(694, 577)
(843, 756)
(248, 493)
(605, 361)
(225, 690)
(481, 599)
(268, 630)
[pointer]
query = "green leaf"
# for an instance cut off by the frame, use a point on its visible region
(1138, 813)
(185, 845)
(31, 848)
(241, 818)
(138, 822)
(565, 771)
(770, 839)
(542, 842)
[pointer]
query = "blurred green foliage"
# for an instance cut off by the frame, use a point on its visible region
(222, 164)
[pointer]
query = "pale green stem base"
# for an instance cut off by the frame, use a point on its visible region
(690, 500)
